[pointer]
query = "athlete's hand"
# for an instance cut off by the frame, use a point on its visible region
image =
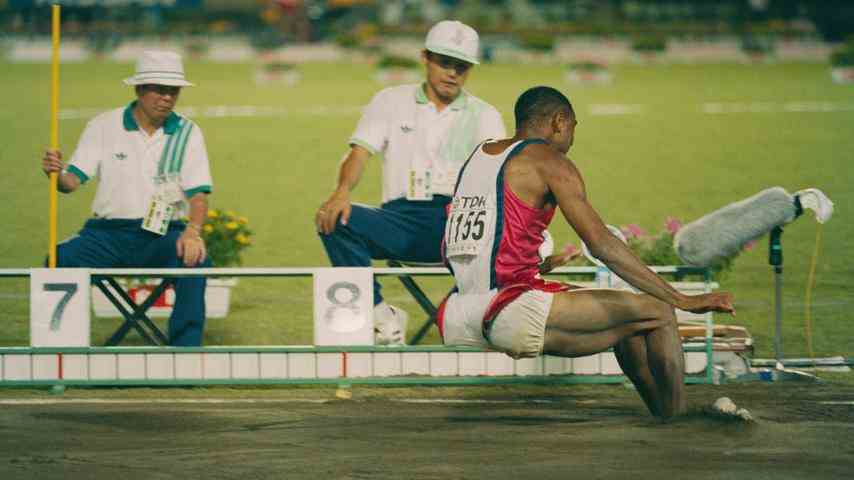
(327, 215)
(52, 162)
(191, 248)
(708, 302)
(551, 262)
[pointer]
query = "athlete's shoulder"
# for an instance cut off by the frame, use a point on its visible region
(548, 160)
(537, 149)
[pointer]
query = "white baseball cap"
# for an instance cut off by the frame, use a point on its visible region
(454, 39)
(159, 68)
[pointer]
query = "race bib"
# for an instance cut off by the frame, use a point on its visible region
(465, 232)
(420, 185)
(158, 217)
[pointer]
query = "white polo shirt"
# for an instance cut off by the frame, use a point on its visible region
(125, 160)
(406, 127)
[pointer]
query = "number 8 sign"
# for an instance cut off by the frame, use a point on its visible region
(59, 307)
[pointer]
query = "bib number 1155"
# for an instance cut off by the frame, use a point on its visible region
(465, 231)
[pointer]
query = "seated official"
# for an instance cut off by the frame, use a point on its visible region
(152, 170)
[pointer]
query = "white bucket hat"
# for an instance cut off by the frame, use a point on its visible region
(454, 39)
(159, 68)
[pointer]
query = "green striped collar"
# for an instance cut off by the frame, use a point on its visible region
(169, 126)
(459, 103)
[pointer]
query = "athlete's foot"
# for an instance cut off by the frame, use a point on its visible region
(726, 408)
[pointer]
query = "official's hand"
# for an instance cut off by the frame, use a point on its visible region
(327, 215)
(709, 302)
(191, 248)
(52, 162)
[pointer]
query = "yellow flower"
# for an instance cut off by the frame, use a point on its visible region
(242, 239)
(243, 220)
(208, 228)
(230, 213)
(212, 213)
(231, 225)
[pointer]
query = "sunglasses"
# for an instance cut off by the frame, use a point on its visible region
(162, 89)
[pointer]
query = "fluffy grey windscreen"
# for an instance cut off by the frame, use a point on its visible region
(725, 231)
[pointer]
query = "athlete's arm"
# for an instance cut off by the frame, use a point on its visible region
(52, 162)
(565, 182)
(338, 203)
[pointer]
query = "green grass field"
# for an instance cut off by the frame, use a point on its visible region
(668, 158)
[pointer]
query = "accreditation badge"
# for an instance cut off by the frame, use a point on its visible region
(168, 188)
(420, 185)
(158, 216)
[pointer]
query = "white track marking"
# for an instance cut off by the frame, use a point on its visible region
(717, 108)
(610, 109)
(231, 111)
(601, 109)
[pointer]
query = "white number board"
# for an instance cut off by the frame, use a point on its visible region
(344, 306)
(59, 307)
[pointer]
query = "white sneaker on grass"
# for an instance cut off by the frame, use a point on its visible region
(389, 325)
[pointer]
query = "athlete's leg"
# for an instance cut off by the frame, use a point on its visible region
(632, 357)
(584, 322)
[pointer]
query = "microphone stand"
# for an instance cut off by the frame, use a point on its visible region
(775, 259)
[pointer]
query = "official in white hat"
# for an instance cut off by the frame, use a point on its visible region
(152, 171)
(425, 132)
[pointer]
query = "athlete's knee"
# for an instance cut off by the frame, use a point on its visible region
(645, 325)
(658, 309)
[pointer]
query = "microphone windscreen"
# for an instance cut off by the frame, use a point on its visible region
(724, 232)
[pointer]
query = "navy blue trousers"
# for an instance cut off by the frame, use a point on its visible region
(398, 230)
(124, 244)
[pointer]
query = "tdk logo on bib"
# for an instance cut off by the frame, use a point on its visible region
(478, 201)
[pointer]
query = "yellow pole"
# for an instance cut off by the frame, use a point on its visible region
(54, 130)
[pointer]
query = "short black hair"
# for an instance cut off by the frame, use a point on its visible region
(539, 104)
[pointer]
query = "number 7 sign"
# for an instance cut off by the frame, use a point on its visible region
(59, 307)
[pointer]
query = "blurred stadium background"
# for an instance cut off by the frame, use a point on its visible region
(684, 106)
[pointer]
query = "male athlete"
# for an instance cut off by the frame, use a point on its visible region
(506, 196)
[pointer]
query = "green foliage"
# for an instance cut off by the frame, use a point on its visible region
(197, 46)
(757, 45)
(396, 61)
(658, 250)
(267, 39)
(226, 235)
(587, 66)
(103, 42)
(540, 41)
(279, 67)
(347, 40)
(842, 57)
(650, 44)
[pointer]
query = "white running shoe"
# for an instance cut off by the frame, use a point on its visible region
(389, 325)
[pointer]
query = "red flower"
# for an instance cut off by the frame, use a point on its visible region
(672, 224)
(632, 230)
